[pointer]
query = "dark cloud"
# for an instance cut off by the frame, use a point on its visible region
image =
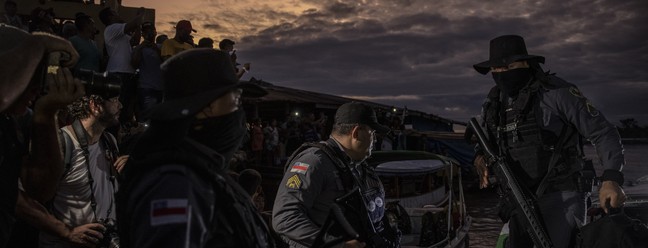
(426, 50)
(339, 9)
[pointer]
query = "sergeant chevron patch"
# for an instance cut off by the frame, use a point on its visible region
(592, 111)
(574, 91)
(293, 182)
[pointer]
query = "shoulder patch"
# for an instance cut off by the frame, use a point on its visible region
(574, 91)
(591, 110)
(169, 211)
(293, 182)
(299, 167)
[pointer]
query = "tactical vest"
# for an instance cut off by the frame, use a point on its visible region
(372, 193)
(518, 129)
(236, 222)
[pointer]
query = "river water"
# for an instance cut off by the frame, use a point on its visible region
(481, 204)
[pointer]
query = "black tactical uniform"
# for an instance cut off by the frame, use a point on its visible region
(175, 190)
(183, 189)
(318, 174)
(305, 196)
(539, 128)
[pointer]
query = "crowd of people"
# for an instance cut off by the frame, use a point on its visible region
(132, 56)
(68, 132)
(70, 175)
(272, 141)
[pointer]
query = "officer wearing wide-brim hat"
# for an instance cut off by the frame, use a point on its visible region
(196, 78)
(176, 190)
(505, 50)
(537, 119)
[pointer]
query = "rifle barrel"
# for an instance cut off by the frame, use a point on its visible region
(526, 204)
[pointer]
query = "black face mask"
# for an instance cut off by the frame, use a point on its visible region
(512, 81)
(223, 134)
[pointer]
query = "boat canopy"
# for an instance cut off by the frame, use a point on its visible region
(409, 167)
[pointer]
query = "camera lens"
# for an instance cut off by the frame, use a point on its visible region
(100, 84)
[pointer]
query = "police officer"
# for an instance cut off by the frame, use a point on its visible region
(176, 192)
(319, 173)
(538, 121)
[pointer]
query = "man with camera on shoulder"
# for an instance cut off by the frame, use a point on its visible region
(29, 150)
(82, 212)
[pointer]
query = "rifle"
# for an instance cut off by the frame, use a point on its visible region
(523, 199)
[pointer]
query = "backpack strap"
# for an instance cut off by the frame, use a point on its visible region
(67, 146)
(347, 178)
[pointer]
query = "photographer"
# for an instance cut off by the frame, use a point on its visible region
(25, 52)
(39, 164)
(227, 45)
(84, 201)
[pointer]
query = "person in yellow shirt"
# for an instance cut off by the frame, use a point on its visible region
(181, 41)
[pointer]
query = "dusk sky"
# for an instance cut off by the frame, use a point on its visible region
(419, 53)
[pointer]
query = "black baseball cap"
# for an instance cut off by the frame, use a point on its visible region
(359, 113)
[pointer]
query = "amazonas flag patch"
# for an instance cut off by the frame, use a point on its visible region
(299, 167)
(169, 211)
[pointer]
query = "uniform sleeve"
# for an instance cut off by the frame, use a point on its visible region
(300, 186)
(590, 122)
(171, 208)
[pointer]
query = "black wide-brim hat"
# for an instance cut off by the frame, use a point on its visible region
(193, 79)
(504, 50)
(359, 113)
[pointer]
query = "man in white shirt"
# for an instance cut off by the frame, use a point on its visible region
(117, 40)
(85, 196)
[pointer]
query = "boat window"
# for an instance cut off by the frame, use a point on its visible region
(406, 186)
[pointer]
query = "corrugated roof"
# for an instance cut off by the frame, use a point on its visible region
(280, 93)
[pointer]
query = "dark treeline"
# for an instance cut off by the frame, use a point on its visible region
(630, 129)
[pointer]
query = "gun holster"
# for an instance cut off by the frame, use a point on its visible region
(586, 178)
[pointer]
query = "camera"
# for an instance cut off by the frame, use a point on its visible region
(100, 84)
(110, 235)
(95, 83)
